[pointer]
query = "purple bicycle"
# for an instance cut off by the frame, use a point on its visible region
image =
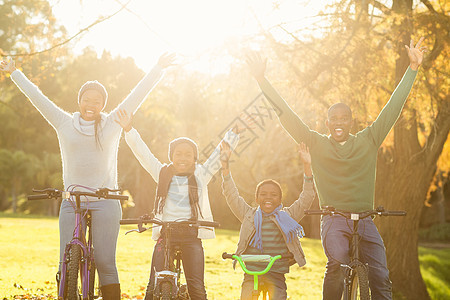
(79, 252)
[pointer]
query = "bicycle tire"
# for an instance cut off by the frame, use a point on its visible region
(359, 285)
(183, 293)
(92, 270)
(166, 291)
(73, 268)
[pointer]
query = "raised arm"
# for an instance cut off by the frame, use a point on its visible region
(297, 209)
(392, 110)
(291, 122)
(138, 95)
(236, 203)
(212, 164)
(140, 150)
(52, 113)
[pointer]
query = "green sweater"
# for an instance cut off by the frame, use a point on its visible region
(344, 174)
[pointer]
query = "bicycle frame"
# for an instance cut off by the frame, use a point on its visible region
(356, 267)
(355, 262)
(168, 274)
(79, 239)
(171, 274)
(82, 265)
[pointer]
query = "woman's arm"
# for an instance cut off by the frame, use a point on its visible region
(52, 113)
(138, 95)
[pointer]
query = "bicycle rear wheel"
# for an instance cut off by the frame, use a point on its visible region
(73, 266)
(359, 285)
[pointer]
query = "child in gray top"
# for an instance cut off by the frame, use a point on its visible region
(269, 228)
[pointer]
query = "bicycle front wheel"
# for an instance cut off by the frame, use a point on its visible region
(92, 270)
(73, 267)
(359, 285)
(166, 290)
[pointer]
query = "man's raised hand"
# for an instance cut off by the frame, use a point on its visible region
(415, 53)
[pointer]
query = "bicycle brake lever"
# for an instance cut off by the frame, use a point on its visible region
(136, 230)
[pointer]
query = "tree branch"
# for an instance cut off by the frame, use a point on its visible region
(98, 21)
(383, 8)
(429, 6)
(439, 132)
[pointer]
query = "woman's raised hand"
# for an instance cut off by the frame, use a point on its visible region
(256, 64)
(166, 60)
(7, 66)
(124, 120)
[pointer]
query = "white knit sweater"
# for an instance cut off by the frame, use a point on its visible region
(84, 161)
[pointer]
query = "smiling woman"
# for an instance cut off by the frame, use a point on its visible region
(88, 141)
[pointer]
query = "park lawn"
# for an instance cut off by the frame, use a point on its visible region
(29, 255)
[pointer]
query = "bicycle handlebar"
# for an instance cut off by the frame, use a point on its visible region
(54, 193)
(148, 220)
(263, 256)
(270, 260)
(356, 216)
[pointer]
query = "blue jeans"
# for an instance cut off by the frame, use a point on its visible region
(336, 235)
(275, 283)
(106, 215)
(193, 260)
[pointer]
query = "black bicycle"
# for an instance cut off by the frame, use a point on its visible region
(167, 281)
(356, 280)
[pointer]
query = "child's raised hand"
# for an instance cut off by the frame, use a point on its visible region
(7, 66)
(225, 153)
(305, 157)
(124, 120)
(245, 122)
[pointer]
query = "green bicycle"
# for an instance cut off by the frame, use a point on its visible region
(263, 258)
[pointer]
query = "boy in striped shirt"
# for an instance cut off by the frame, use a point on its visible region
(269, 228)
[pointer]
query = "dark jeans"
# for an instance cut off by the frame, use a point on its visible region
(275, 283)
(193, 260)
(336, 235)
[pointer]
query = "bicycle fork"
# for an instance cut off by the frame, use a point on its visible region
(355, 264)
(86, 260)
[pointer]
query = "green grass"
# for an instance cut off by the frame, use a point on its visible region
(29, 255)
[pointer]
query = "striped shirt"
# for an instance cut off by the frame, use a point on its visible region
(273, 244)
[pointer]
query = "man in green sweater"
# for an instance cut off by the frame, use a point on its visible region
(344, 168)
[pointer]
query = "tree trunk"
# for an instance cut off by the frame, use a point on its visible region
(410, 185)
